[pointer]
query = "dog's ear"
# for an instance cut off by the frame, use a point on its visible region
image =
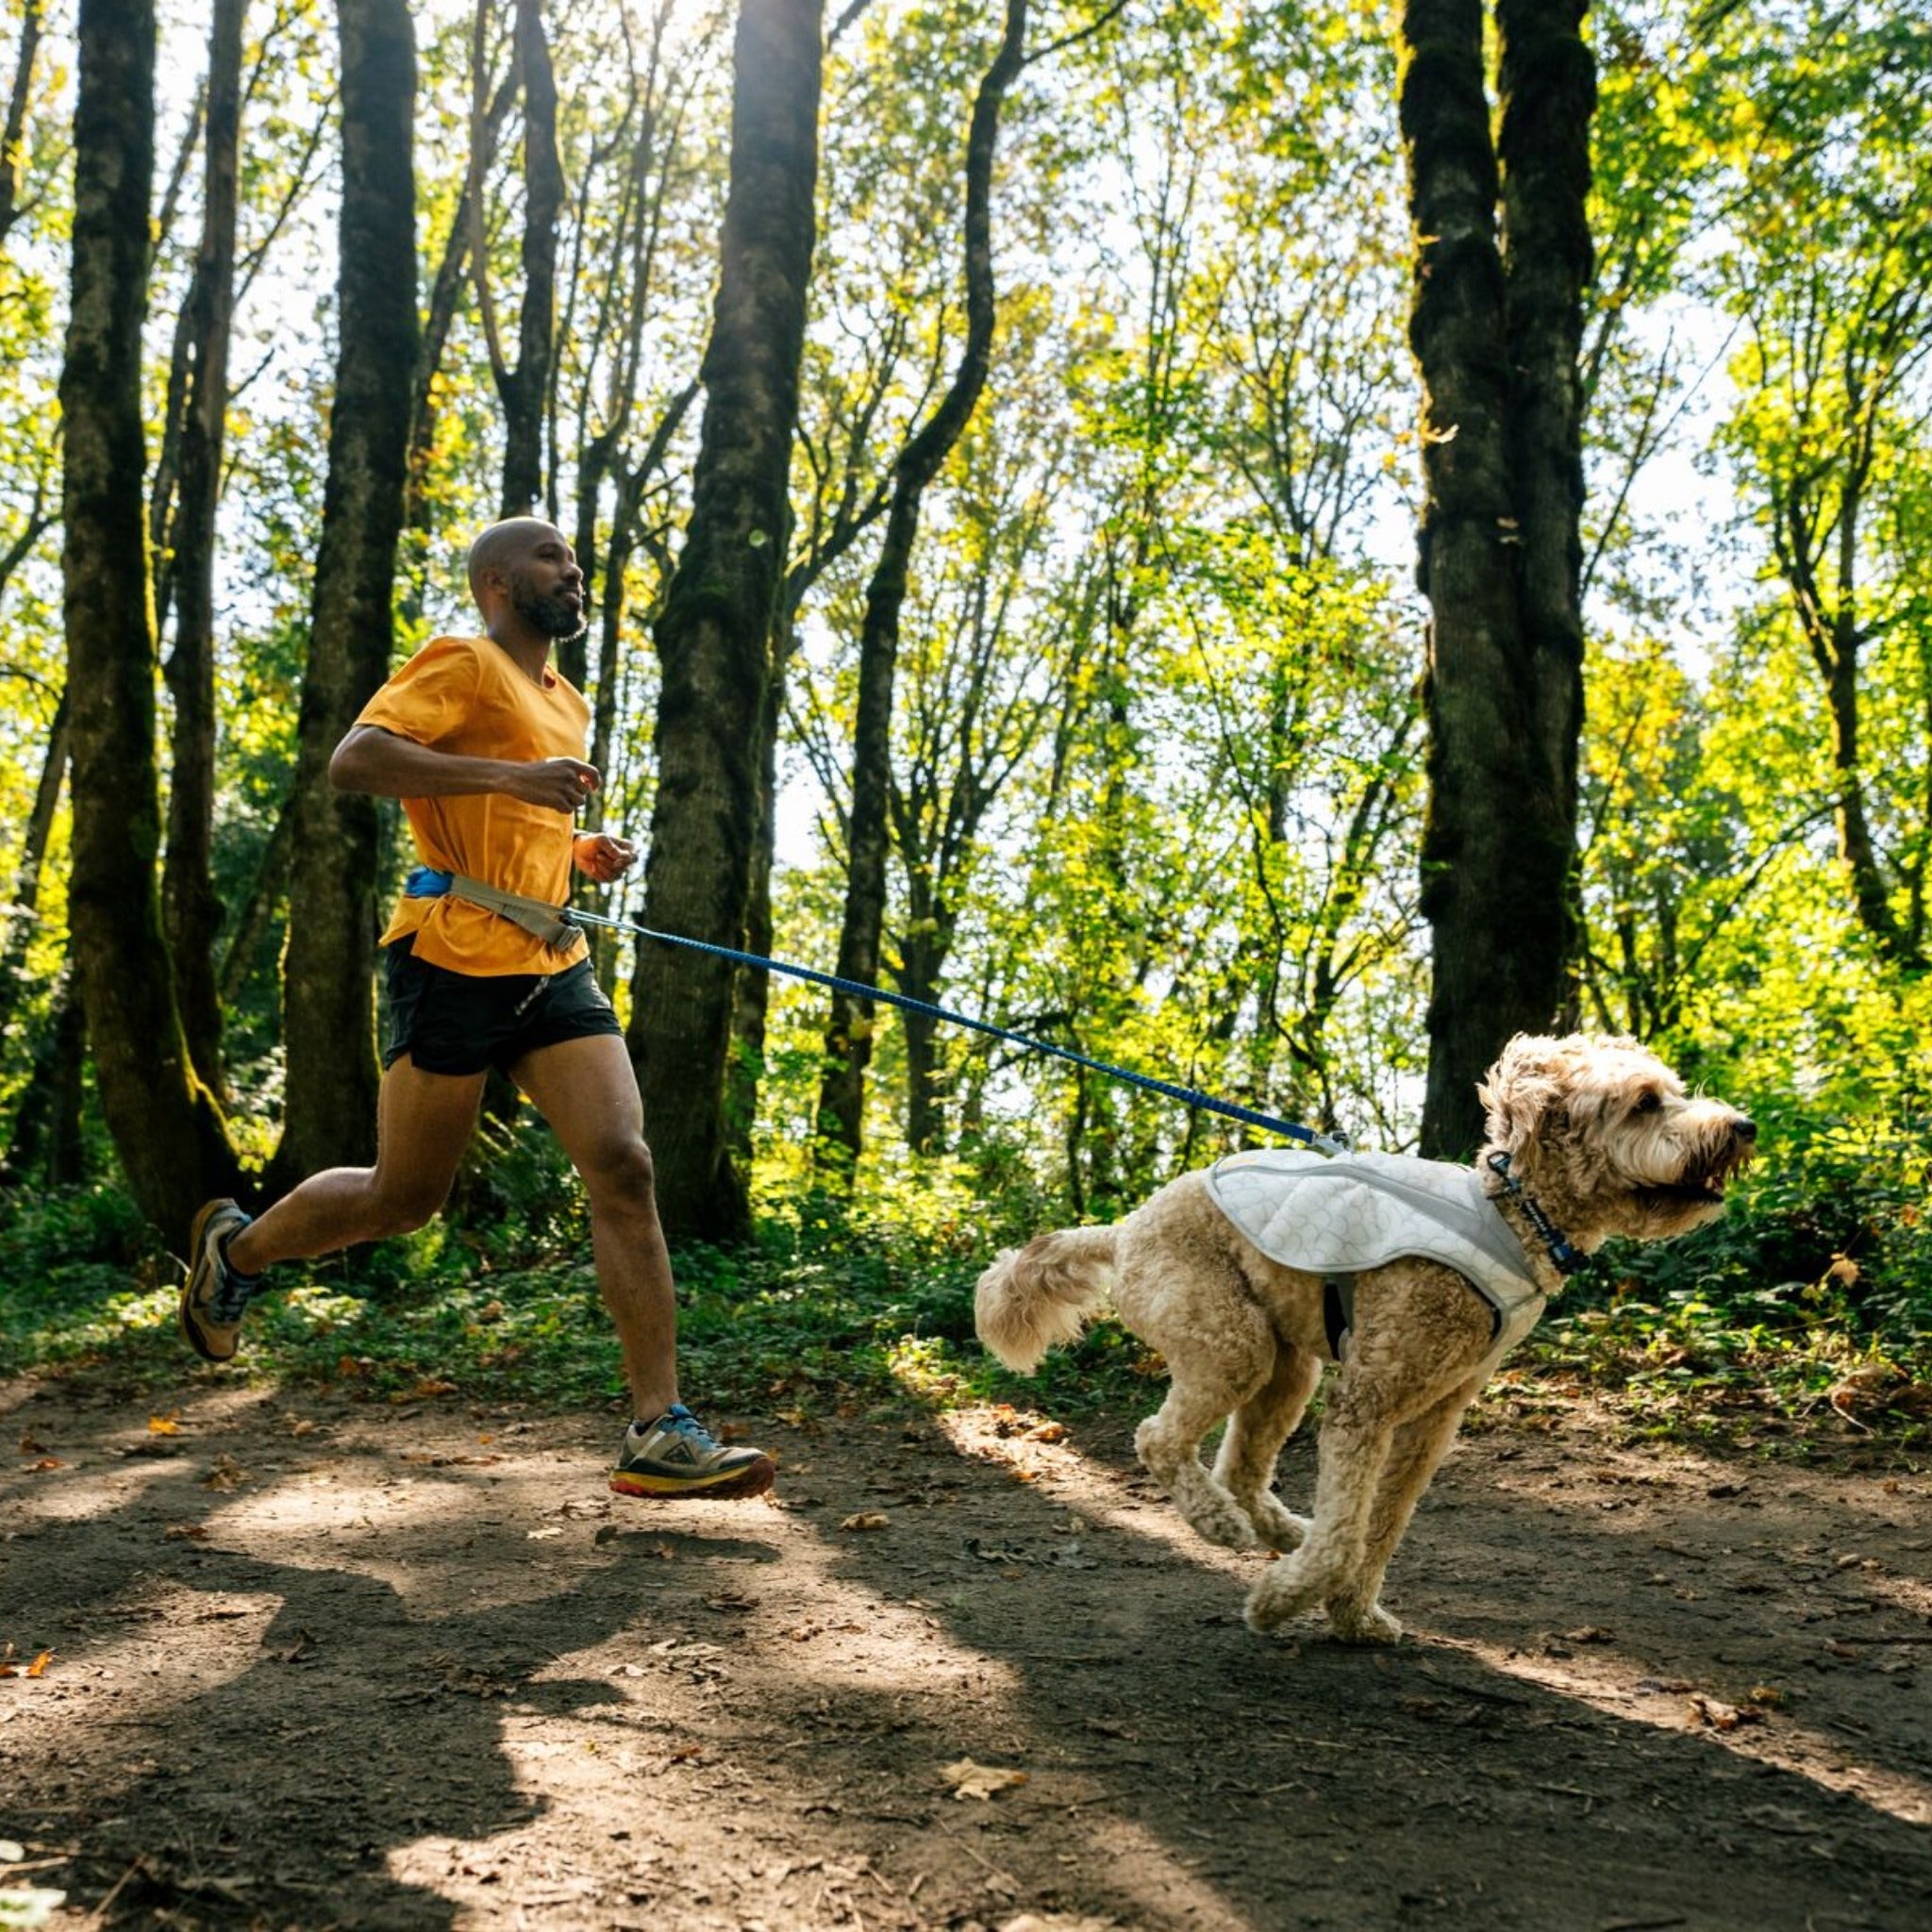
(1523, 1093)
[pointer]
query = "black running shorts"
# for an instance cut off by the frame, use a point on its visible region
(462, 1023)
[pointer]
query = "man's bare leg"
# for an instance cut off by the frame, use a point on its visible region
(587, 1090)
(423, 1121)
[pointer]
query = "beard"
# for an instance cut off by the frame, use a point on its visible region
(557, 617)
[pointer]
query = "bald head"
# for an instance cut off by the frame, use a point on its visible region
(507, 546)
(523, 576)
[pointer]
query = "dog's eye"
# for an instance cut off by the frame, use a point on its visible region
(1649, 1101)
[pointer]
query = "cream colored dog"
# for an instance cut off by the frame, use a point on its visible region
(1586, 1137)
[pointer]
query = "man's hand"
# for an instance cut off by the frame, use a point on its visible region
(602, 857)
(558, 784)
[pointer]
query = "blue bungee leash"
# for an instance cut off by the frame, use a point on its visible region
(553, 924)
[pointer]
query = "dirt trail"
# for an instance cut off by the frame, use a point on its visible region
(319, 1665)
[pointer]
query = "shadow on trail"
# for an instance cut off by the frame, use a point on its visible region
(365, 1718)
(330, 1706)
(1204, 1776)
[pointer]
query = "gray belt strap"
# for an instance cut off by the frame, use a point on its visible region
(549, 923)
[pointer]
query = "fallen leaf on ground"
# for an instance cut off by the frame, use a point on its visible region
(32, 1445)
(1047, 1432)
(868, 1519)
(1589, 1633)
(168, 1424)
(1721, 1716)
(227, 1474)
(970, 1780)
(37, 1669)
(475, 1682)
(44, 1464)
(184, 1533)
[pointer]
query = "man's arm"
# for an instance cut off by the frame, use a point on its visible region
(390, 766)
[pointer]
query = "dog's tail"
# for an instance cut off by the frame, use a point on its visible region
(1033, 1298)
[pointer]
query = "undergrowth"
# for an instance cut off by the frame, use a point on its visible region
(1773, 1330)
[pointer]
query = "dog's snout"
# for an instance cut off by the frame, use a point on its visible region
(1745, 1128)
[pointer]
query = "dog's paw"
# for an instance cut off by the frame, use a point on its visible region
(1279, 1528)
(1228, 1527)
(1277, 1599)
(1353, 1624)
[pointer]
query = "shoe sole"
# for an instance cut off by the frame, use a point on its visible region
(752, 1480)
(189, 1326)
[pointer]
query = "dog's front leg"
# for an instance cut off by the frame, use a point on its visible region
(1357, 1434)
(1419, 1447)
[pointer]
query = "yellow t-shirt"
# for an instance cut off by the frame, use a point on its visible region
(469, 697)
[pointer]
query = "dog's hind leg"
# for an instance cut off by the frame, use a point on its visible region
(1419, 1447)
(1256, 1431)
(1215, 1368)
(1168, 1444)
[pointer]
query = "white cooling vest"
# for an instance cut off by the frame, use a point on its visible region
(1344, 1214)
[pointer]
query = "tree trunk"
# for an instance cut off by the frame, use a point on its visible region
(165, 1123)
(848, 1028)
(751, 1005)
(46, 1142)
(259, 908)
(1547, 84)
(13, 129)
(1499, 561)
(329, 1118)
(525, 388)
(713, 635)
(19, 929)
(190, 906)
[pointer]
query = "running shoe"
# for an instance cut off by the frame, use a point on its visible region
(678, 1456)
(215, 1296)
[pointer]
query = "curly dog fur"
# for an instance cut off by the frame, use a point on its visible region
(1599, 1133)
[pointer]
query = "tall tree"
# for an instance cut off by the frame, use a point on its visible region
(713, 635)
(525, 389)
(848, 1028)
(164, 1121)
(1496, 332)
(190, 904)
(328, 980)
(14, 127)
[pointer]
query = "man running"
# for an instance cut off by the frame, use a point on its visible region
(483, 742)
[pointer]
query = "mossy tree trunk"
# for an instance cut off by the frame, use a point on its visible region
(165, 1123)
(715, 631)
(189, 905)
(1501, 258)
(328, 1008)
